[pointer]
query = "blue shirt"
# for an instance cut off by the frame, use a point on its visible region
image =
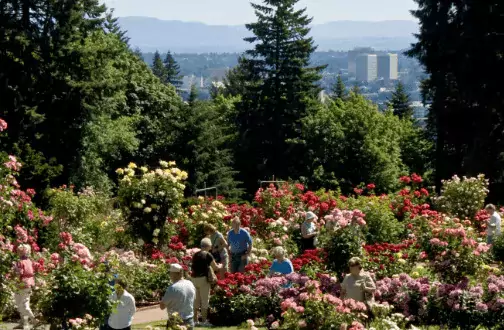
(239, 243)
(285, 267)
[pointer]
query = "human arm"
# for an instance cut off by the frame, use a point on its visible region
(368, 285)
(304, 232)
(132, 307)
(343, 288)
(167, 301)
(249, 245)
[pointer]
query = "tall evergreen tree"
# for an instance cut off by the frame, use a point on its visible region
(400, 102)
(339, 89)
(356, 89)
(193, 95)
(278, 82)
(465, 118)
(172, 71)
(112, 26)
(158, 67)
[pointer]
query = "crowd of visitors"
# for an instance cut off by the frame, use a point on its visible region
(190, 298)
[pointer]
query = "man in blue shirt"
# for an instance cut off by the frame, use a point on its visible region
(240, 245)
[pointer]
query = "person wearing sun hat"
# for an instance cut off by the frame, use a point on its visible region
(179, 297)
(308, 232)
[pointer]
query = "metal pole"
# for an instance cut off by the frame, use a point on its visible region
(204, 186)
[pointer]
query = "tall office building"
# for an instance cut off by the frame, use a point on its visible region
(388, 67)
(366, 67)
(352, 58)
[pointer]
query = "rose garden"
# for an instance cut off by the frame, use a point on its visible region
(427, 253)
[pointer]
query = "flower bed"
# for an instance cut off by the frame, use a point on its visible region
(430, 268)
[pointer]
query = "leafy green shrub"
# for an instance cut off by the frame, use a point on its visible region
(88, 215)
(381, 224)
(343, 239)
(498, 248)
(74, 292)
(463, 198)
(148, 198)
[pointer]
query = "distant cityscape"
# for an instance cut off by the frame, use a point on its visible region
(376, 73)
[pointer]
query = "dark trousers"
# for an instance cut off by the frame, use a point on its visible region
(307, 243)
(110, 328)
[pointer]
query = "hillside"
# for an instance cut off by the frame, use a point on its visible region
(150, 34)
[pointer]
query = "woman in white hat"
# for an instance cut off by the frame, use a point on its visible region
(308, 232)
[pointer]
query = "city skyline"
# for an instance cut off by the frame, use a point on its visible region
(240, 12)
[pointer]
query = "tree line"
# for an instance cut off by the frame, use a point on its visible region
(81, 103)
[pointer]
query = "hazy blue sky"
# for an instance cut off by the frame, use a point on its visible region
(240, 12)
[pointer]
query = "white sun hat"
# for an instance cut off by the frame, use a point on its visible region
(176, 268)
(310, 215)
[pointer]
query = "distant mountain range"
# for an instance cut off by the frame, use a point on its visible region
(150, 34)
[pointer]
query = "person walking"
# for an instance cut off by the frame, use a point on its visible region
(24, 269)
(203, 265)
(358, 285)
(125, 308)
(240, 246)
(308, 232)
(494, 223)
(219, 247)
(179, 297)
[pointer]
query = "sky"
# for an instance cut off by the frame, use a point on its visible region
(238, 12)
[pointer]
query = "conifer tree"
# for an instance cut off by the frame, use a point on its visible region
(193, 95)
(112, 26)
(278, 82)
(172, 71)
(158, 68)
(339, 89)
(400, 102)
(356, 89)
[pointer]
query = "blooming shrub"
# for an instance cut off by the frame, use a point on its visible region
(75, 278)
(387, 259)
(88, 215)
(343, 239)
(452, 248)
(463, 198)
(148, 198)
(381, 224)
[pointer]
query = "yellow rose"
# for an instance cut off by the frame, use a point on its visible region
(120, 171)
(415, 275)
(144, 169)
(132, 165)
(401, 261)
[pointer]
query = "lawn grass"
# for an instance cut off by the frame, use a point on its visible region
(162, 324)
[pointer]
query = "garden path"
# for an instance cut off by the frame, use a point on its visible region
(144, 315)
(150, 314)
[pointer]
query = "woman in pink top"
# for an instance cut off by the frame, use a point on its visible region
(24, 268)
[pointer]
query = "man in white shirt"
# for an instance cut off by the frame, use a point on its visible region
(122, 314)
(179, 297)
(494, 223)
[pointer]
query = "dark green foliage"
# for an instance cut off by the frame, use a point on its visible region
(112, 26)
(204, 146)
(275, 79)
(400, 103)
(172, 71)
(460, 44)
(193, 95)
(351, 142)
(43, 109)
(158, 67)
(339, 89)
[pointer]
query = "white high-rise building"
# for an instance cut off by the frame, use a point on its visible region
(388, 67)
(366, 67)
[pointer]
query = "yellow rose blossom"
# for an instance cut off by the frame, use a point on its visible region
(120, 171)
(132, 165)
(144, 169)
(172, 163)
(163, 163)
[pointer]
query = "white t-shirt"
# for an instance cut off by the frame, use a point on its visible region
(494, 225)
(122, 315)
(179, 297)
